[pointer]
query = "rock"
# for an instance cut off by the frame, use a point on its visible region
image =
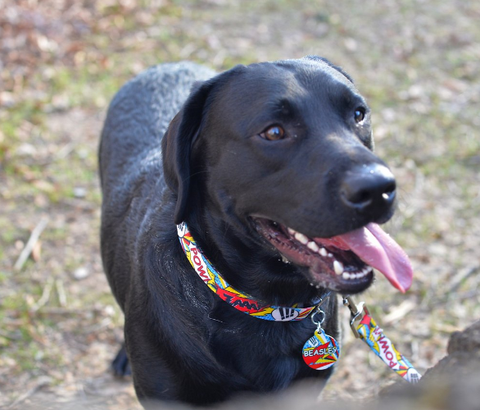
(452, 384)
(81, 273)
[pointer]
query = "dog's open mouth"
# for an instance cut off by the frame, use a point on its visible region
(342, 263)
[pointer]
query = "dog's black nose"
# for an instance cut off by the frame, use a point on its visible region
(369, 189)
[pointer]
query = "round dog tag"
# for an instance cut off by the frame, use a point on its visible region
(321, 351)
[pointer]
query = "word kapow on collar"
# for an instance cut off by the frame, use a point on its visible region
(240, 301)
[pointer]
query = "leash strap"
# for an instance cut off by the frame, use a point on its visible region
(365, 328)
(240, 301)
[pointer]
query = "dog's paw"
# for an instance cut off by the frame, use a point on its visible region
(121, 365)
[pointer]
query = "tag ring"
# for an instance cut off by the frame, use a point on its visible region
(319, 310)
(322, 319)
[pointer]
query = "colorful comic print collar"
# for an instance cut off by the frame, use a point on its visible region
(320, 351)
(240, 301)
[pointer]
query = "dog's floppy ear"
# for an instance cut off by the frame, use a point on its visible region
(180, 136)
(336, 67)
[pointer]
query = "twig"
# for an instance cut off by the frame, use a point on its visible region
(53, 310)
(65, 150)
(461, 276)
(41, 382)
(62, 153)
(62, 296)
(80, 203)
(399, 312)
(47, 290)
(9, 336)
(27, 250)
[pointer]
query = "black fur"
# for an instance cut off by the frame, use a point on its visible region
(214, 171)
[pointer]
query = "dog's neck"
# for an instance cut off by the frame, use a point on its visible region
(239, 300)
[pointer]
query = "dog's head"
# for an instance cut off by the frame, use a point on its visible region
(285, 152)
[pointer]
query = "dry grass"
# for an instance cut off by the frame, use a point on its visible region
(61, 62)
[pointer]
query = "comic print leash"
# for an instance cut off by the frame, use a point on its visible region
(365, 328)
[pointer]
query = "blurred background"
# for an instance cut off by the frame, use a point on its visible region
(61, 61)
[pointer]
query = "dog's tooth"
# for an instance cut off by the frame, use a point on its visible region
(346, 275)
(323, 252)
(338, 267)
(330, 255)
(300, 237)
(313, 246)
(364, 272)
(291, 231)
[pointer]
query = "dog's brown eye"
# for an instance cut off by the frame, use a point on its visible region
(359, 114)
(274, 133)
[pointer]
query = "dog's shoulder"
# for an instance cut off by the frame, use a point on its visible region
(138, 117)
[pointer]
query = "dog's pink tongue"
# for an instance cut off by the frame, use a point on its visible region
(378, 250)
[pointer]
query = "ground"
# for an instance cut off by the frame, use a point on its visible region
(61, 61)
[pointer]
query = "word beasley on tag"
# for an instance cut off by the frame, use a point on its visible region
(321, 351)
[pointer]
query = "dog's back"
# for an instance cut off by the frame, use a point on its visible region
(130, 156)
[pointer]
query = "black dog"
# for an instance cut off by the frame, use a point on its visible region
(271, 166)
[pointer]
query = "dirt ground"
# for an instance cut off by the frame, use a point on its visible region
(61, 61)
